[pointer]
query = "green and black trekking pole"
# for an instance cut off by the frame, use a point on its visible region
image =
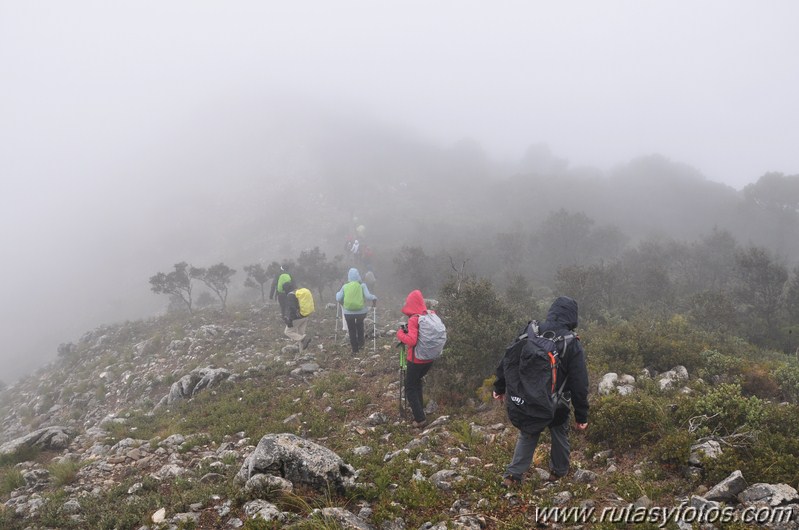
(403, 402)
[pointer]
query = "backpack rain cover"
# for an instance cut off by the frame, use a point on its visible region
(305, 300)
(432, 337)
(531, 377)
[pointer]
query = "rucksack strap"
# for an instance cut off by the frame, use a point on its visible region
(562, 356)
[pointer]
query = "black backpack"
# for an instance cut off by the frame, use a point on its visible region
(532, 389)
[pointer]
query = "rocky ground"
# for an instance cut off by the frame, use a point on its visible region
(79, 448)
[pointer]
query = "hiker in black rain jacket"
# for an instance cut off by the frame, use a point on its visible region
(562, 320)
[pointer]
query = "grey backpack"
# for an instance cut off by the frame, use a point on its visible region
(432, 337)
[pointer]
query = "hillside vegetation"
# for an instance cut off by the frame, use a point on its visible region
(689, 303)
(161, 414)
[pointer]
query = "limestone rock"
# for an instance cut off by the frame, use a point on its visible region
(299, 461)
(48, 438)
(728, 489)
(710, 449)
(670, 379)
(769, 494)
(346, 519)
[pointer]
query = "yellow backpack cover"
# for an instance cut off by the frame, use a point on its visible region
(305, 299)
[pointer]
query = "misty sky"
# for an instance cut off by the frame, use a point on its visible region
(94, 95)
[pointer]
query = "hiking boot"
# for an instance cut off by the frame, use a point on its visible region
(420, 424)
(552, 478)
(510, 482)
(305, 342)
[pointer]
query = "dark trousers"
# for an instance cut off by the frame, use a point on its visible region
(281, 300)
(413, 388)
(525, 448)
(355, 328)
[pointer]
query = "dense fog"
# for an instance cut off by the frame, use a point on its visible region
(136, 136)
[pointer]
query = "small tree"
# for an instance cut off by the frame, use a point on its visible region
(414, 269)
(761, 280)
(205, 299)
(314, 269)
(217, 278)
(176, 283)
(519, 295)
(714, 311)
(257, 277)
(460, 272)
(792, 296)
(479, 327)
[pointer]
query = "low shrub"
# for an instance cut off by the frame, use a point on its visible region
(716, 364)
(24, 454)
(759, 380)
(50, 514)
(63, 473)
(479, 327)
(769, 453)
(787, 376)
(674, 449)
(723, 410)
(622, 422)
(615, 346)
(626, 346)
(10, 479)
(628, 486)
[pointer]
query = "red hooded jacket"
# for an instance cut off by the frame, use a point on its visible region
(414, 306)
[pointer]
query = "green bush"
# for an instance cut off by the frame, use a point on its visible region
(766, 454)
(672, 342)
(10, 479)
(628, 486)
(724, 410)
(779, 441)
(623, 422)
(615, 347)
(788, 378)
(479, 328)
(674, 448)
(715, 363)
(627, 346)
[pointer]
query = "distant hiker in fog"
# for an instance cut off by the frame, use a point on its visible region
(296, 321)
(353, 296)
(279, 288)
(369, 279)
(532, 393)
(355, 247)
(366, 256)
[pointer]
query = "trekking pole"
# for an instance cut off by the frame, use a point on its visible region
(335, 327)
(374, 328)
(403, 402)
